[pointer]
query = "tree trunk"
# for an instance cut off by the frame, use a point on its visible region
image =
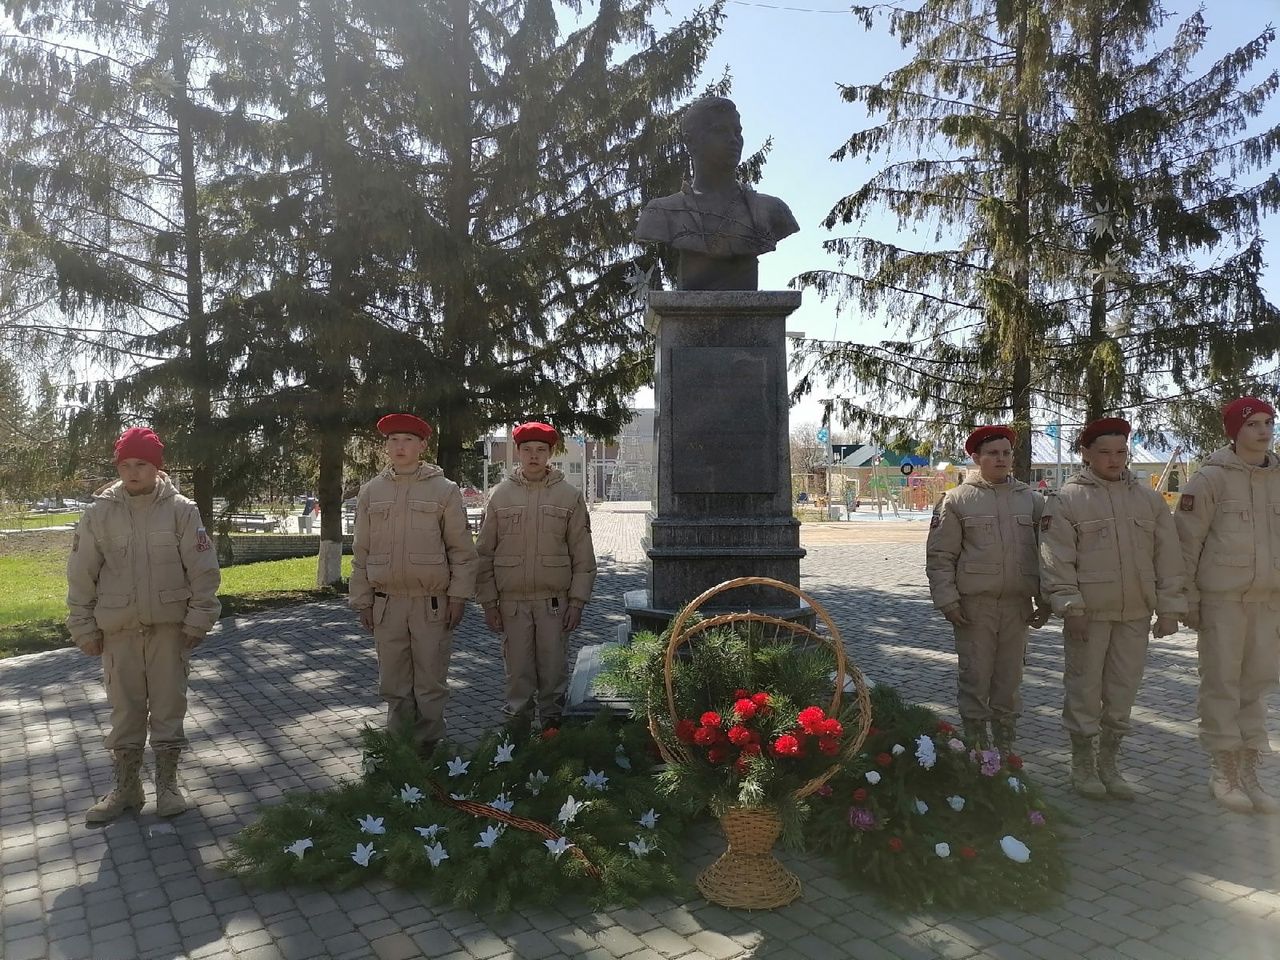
(1020, 365)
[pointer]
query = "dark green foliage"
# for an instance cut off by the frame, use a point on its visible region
(518, 869)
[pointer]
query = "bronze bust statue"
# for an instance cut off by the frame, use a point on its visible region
(719, 225)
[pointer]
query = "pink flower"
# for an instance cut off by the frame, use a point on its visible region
(1036, 818)
(862, 819)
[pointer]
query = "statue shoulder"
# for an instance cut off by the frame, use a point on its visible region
(775, 212)
(655, 219)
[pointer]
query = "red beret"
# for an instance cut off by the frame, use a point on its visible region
(1235, 413)
(534, 432)
(140, 443)
(1103, 427)
(404, 423)
(983, 434)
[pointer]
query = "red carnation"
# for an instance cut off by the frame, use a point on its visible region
(884, 759)
(741, 694)
(860, 795)
(751, 749)
(710, 719)
(810, 717)
(707, 736)
(550, 732)
(945, 728)
(685, 730)
(968, 852)
(739, 735)
(717, 755)
(896, 844)
(761, 700)
(745, 708)
(831, 727)
(829, 745)
(786, 746)
(1014, 761)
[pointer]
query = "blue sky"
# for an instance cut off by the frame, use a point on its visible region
(786, 64)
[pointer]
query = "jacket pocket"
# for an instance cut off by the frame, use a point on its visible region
(985, 569)
(114, 601)
(1095, 535)
(1096, 576)
(979, 531)
(507, 561)
(162, 547)
(424, 517)
(175, 596)
(554, 561)
(380, 518)
(426, 558)
(553, 528)
(1026, 528)
(1235, 515)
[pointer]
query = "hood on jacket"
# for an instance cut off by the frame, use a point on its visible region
(553, 476)
(1227, 458)
(165, 488)
(1087, 477)
(1014, 483)
(425, 472)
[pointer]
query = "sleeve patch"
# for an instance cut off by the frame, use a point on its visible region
(202, 540)
(1046, 522)
(1187, 503)
(935, 520)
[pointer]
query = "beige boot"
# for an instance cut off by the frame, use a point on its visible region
(1118, 787)
(1084, 769)
(126, 794)
(1224, 782)
(1262, 801)
(170, 800)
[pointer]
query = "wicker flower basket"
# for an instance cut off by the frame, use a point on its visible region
(747, 875)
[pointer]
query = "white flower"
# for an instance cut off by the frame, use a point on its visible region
(873, 777)
(537, 780)
(641, 847)
(921, 807)
(649, 820)
(956, 744)
(557, 847)
(898, 750)
(502, 802)
(504, 753)
(458, 766)
(362, 854)
(490, 836)
(368, 764)
(1015, 849)
(435, 852)
(371, 824)
(956, 803)
(299, 847)
(1016, 785)
(570, 809)
(459, 796)
(595, 780)
(621, 759)
(410, 795)
(429, 833)
(926, 755)
(942, 849)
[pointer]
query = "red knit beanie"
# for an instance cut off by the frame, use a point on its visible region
(140, 443)
(1235, 413)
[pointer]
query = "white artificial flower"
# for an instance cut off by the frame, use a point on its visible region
(921, 807)
(557, 847)
(898, 750)
(873, 777)
(429, 833)
(956, 744)
(410, 795)
(435, 852)
(1016, 785)
(502, 802)
(489, 836)
(459, 796)
(649, 820)
(458, 766)
(641, 847)
(621, 759)
(299, 847)
(926, 755)
(504, 753)
(1015, 849)
(956, 803)
(368, 764)
(595, 780)
(363, 853)
(942, 849)
(570, 809)
(371, 824)
(537, 780)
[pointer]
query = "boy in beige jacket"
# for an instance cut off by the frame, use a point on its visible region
(537, 568)
(142, 584)
(1109, 558)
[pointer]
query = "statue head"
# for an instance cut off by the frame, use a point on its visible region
(712, 132)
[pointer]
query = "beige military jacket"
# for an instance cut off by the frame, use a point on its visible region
(982, 543)
(535, 542)
(140, 561)
(411, 539)
(1228, 521)
(1110, 549)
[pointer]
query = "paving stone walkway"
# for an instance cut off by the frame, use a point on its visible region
(277, 700)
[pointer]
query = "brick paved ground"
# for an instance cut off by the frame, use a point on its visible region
(276, 702)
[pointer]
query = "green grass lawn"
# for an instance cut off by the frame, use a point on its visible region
(30, 521)
(34, 599)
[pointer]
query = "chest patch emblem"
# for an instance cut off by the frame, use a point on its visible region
(1187, 502)
(202, 540)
